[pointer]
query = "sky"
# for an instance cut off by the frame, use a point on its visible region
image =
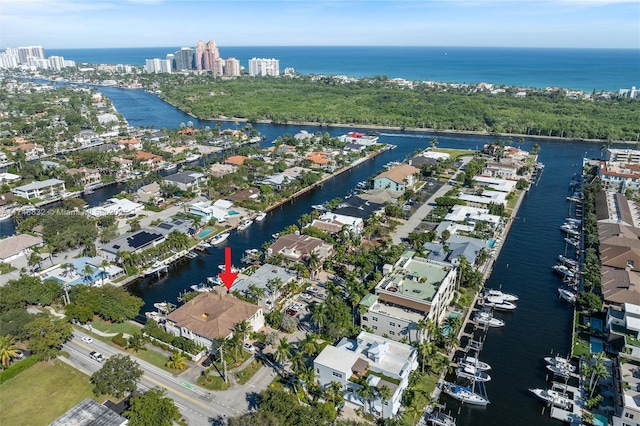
(57, 24)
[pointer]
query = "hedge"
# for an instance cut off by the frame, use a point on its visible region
(18, 368)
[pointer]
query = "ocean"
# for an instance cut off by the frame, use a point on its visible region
(582, 69)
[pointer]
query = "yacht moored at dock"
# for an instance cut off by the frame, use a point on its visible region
(219, 239)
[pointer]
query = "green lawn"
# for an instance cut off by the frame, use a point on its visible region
(212, 382)
(123, 327)
(245, 375)
(156, 358)
(40, 394)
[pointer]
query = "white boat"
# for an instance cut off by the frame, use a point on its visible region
(192, 157)
(157, 267)
(201, 288)
(499, 303)
(464, 394)
(552, 396)
(223, 268)
(504, 296)
(573, 220)
(472, 373)
(559, 371)
(570, 230)
(319, 207)
(164, 307)
(563, 270)
(261, 216)
(204, 244)
(561, 362)
(215, 280)
(245, 224)
(480, 365)
(487, 319)
(567, 295)
(573, 242)
(438, 418)
(219, 239)
(572, 263)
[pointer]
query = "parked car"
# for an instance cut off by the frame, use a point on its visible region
(87, 339)
(97, 356)
(248, 347)
(259, 345)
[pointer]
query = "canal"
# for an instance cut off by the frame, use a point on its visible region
(539, 325)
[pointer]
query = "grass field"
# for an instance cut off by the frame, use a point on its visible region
(107, 327)
(42, 393)
(245, 375)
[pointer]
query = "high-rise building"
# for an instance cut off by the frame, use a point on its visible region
(56, 63)
(26, 52)
(184, 59)
(232, 67)
(206, 56)
(158, 65)
(260, 67)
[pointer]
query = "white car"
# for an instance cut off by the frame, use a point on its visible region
(87, 339)
(306, 296)
(249, 347)
(97, 356)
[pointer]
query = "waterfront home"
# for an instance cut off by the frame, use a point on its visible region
(218, 170)
(359, 138)
(135, 242)
(107, 118)
(17, 245)
(87, 138)
(397, 178)
(298, 247)
(208, 212)
(626, 320)
(500, 185)
(619, 176)
(150, 161)
(377, 360)
(276, 181)
(335, 222)
(147, 193)
(211, 316)
(115, 207)
(413, 284)
(319, 159)
(245, 194)
(84, 176)
(75, 272)
(484, 199)
(32, 151)
(185, 180)
(43, 190)
(500, 170)
(261, 278)
(620, 286)
(472, 215)
(456, 246)
(123, 167)
(626, 390)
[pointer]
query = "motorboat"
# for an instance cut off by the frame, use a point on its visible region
(561, 362)
(487, 319)
(219, 239)
(201, 288)
(438, 418)
(164, 307)
(223, 268)
(573, 220)
(499, 303)
(215, 280)
(470, 360)
(245, 224)
(260, 217)
(569, 229)
(319, 207)
(204, 244)
(559, 371)
(573, 242)
(567, 295)
(553, 396)
(563, 271)
(492, 292)
(464, 394)
(470, 372)
(192, 157)
(570, 262)
(156, 268)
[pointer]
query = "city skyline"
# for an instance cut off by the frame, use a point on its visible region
(495, 23)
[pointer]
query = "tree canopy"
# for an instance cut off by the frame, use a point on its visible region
(152, 408)
(118, 376)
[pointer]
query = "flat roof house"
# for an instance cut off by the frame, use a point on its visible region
(45, 189)
(131, 243)
(185, 180)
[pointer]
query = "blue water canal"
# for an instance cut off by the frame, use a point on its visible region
(540, 324)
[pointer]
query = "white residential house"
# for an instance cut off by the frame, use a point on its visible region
(379, 361)
(207, 212)
(45, 189)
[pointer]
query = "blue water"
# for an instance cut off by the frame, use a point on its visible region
(584, 69)
(491, 243)
(596, 344)
(596, 324)
(233, 213)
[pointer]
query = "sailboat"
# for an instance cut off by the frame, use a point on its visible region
(465, 394)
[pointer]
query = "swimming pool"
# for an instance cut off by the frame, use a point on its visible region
(597, 345)
(204, 233)
(596, 324)
(446, 329)
(491, 243)
(233, 213)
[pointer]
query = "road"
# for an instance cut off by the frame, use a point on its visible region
(198, 406)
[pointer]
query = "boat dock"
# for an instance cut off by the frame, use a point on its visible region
(574, 414)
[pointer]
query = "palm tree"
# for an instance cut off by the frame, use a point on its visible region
(137, 342)
(283, 352)
(8, 350)
(598, 371)
(319, 315)
(453, 324)
(308, 345)
(242, 328)
(366, 392)
(333, 392)
(298, 362)
(177, 361)
(104, 264)
(88, 273)
(384, 393)
(314, 262)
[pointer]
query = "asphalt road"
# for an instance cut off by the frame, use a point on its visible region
(198, 406)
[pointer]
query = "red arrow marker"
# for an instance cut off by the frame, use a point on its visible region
(228, 276)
